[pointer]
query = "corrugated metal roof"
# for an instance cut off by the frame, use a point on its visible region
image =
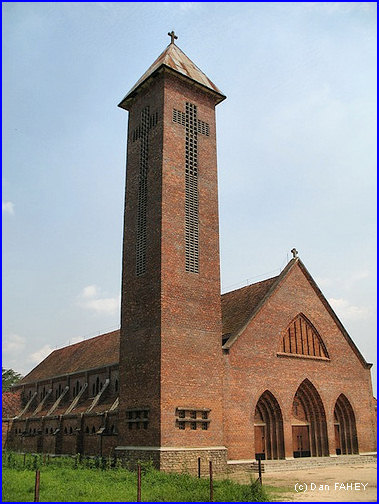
(173, 57)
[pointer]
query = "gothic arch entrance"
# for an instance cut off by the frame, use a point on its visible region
(309, 432)
(344, 427)
(268, 428)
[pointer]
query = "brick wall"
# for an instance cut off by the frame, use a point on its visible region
(140, 298)
(170, 318)
(6, 429)
(191, 357)
(41, 437)
(252, 366)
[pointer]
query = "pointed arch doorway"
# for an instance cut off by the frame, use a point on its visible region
(268, 428)
(309, 431)
(345, 429)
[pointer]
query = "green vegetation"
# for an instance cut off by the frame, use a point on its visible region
(279, 493)
(65, 479)
(10, 378)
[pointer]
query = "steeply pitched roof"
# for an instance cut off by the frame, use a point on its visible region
(96, 352)
(175, 59)
(238, 308)
(238, 305)
(11, 403)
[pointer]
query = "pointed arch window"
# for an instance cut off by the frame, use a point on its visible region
(302, 339)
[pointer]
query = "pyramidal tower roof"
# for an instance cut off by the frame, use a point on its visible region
(175, 60)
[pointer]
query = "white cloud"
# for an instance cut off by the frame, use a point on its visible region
(347, 311)
(41, 354)
(8, 207)
(91, 299)
(360, 275)
(348, 282)
(13, 343)
(90, 291)
(323, 282)
(355, 277)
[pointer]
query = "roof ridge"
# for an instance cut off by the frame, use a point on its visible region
(91, 338)
(249, 285)
(261, 302)
(100, 350)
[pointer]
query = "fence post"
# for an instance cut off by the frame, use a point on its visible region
(138, 482)
(24, 458)
(198, 467)
(260, 470)
(210, 482)
(36, 487)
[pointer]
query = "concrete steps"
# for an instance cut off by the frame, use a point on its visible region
(302, 463)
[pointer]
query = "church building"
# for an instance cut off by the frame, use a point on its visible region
(265, 371)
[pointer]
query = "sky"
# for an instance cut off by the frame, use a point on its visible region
(296, 142)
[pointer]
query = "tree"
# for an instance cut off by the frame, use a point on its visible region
(10, 378)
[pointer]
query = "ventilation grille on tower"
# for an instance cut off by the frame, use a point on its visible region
(142, 193)
(178, 117)
(192, 199)
(202, 127)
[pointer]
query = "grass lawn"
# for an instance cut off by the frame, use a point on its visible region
(62, 482)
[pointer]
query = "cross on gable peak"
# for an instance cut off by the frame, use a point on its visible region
(173, 36)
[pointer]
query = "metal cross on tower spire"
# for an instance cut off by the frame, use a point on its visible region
(173, 36)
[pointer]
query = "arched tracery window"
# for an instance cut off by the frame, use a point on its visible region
(302, 338)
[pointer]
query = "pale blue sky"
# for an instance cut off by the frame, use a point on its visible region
(296, 153)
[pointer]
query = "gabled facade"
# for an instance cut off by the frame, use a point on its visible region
(295, 383)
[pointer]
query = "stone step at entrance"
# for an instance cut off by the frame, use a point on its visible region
(302, 463)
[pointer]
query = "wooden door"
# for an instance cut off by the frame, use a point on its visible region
(260, 441)
(300, 439)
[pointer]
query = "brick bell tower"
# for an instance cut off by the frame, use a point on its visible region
(170, 406)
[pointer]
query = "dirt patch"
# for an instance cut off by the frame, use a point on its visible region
(343, 483)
